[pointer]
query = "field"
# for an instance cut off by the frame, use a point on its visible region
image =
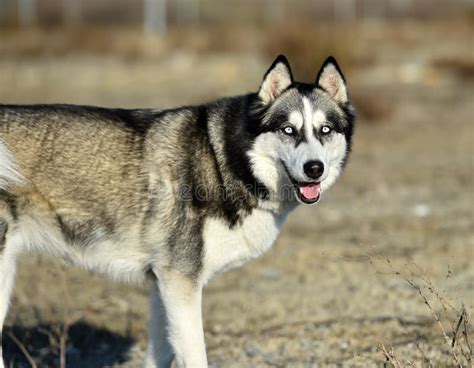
(377, 273)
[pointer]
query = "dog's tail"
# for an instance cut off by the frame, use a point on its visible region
(9, 174)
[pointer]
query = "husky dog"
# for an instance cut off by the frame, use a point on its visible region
(170, 196)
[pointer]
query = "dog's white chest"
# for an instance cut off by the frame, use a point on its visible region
(226, 248)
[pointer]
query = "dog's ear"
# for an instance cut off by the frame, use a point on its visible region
(277, 78)
(331, 79)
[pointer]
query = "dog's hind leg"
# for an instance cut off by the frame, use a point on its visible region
(159, 352)
(7, 272)
(10, 247)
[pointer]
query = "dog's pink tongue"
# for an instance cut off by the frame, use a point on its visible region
(311, 191)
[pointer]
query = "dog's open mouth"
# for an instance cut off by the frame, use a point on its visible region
(306, 192)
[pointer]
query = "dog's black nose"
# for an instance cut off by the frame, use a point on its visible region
(313, 169)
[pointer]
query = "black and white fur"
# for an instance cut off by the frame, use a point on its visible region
(172, 196)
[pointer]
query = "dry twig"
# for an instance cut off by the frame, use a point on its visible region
(63, 339)
(389, 356)
(23, 350)
(465, 332)
(414, 285)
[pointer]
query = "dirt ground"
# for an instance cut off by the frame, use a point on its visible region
(347, 278)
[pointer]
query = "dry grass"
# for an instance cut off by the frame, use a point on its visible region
(306, 45)
(128, 43)
(452, 322)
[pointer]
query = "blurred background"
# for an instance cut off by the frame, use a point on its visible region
(380, 272)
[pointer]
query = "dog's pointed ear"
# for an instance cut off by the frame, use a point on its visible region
(277, 78)
(331, 79)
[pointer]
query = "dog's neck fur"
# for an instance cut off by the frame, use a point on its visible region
(226, 143)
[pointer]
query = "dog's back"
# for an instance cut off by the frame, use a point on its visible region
(72, 178)
(79, 154)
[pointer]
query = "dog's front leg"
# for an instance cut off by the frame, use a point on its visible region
(160, 352)
(181, 297)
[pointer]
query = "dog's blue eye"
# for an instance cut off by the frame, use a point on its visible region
(288, 130)
(326, 130)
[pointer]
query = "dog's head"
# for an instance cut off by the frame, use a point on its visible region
(304, 134)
